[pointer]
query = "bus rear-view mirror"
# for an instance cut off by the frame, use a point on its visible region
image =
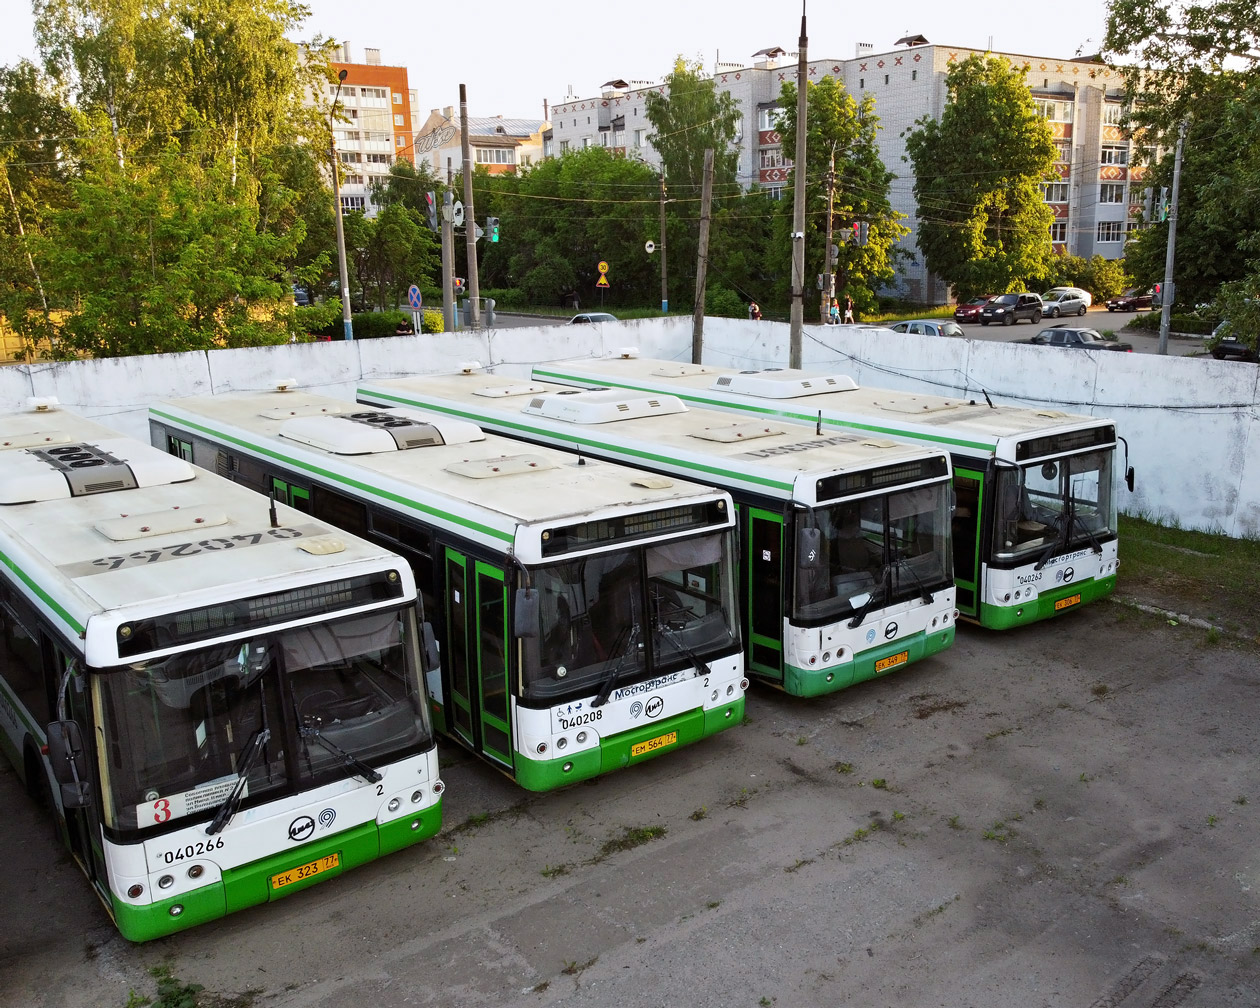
(809, 549)
(525, 612)
(65, 752)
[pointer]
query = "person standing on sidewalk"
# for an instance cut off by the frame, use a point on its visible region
(848, 309)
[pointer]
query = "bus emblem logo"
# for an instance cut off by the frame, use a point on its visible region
(301, 828)
(326, 817)
(654, 706)
(636, 708)
(890, 631)
(1068, 574)
(870, 635)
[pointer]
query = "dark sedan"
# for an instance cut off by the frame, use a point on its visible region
(1075, 339)
(1134, 299)
(969, 311)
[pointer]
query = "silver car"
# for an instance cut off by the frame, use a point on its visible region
(929, 327)
(1065, 301)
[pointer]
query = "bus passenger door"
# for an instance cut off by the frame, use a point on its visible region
(968, 498)
(763, 592)
(82, 824)
(474, 656)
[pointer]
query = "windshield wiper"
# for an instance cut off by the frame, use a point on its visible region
(926, 595)
(310, 729)
(1093, 539)
(627, 637)
(865, 608)
(1060, 540)
(233, 801)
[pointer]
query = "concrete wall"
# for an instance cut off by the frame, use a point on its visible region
(1191, 423)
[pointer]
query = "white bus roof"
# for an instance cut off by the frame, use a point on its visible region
(487, 488)
(98, 529)
(760, 455)
(966, 426)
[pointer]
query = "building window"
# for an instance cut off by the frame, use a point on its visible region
(772, 158)
(398, 120)
(372, 92)
(1063, 152)
(1055, 111)
(774, 192)
(351, 157)
(767, 118)
(399, 141)
(1111, 192)
(1058, 232)
(885, 78)
(1113, 114)
(351, 203)
(381, 158)
(1055, 192)
(1112, 154)
(861, 83)
(914, 74)
(564, 146)
(603, 138)
(496, 155)
(348, 135)
(1110, 231)
(638, 137)
(586, 142)
(397, 98)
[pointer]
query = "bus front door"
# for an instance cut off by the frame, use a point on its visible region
(968, 502)
(474, 656)
(82, 832)
(763, 593)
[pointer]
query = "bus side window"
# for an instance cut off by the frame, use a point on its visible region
(23, 668)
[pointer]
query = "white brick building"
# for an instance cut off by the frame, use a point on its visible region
(1082, 99)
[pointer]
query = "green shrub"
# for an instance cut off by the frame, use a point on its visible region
(504, 297)
(1191, 324)
(720, 302)
(432, 322)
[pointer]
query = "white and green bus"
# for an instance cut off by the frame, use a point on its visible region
(1035, 517)
(219, 699)
(585, 612)
(844, 549)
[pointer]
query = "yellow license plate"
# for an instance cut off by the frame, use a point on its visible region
(327, 863)
(1063, 603)
(652, 744)
(900, 658)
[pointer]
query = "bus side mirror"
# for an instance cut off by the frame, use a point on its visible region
(809, 549)
(65, 752)
(1128, 478)
(429, 653)
(525, 612)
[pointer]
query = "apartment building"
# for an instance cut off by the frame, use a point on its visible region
(378, 104)
(1098, 192)
(497, 144)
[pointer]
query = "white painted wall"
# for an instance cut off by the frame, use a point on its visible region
(1191, 423)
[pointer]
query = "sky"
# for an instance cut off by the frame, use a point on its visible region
(514, 54)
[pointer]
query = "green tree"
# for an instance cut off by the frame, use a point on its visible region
(842, 128)
(692, 116)
(978, 173)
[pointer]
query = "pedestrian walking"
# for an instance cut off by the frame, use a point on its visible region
(754, 311)
(833, 313)
(848, 308)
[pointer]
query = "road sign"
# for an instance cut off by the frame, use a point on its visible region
(414, 298)
(477, 232)
(602, 266)
(459, 213)
(603, 275)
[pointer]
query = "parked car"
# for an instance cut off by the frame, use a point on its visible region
(592, 316)
(969, 311)
(300, 297)
(1080, 292)
(1063, 301)
(1134, 299)
(1224, 342)
(929, 327)
(1007, 309)
(1075, 339)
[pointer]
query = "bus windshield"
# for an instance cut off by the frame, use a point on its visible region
(175, 732)
(890, 547)
(1066, 502)
(628, 615)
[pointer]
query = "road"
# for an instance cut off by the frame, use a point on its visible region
(1095, 318)
(1062, 816)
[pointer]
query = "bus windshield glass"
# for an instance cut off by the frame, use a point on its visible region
(624, 616)
(1067, 502)
(889, 547)
(283, 709)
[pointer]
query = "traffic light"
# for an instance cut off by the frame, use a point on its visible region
(492, 228)
(430, 207)
(862, 233)
(856, 231)
(459, 287)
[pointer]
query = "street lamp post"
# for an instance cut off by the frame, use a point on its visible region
(341, 231)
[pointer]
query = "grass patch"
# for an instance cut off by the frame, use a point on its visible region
(631, 837)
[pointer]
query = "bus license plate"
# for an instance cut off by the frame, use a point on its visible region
(652, 744)
(900, 658)
(1063, 603)
(327, 863)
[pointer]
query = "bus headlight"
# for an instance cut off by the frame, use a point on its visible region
(196, 871)
(562, 742)
(166, 881)
(394, 804)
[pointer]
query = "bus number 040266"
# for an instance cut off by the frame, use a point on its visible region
(192, 850)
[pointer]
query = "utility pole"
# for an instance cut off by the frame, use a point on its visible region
(1167, 292)
(470, 214)
(829, 277)
(661, 247)
(346, 325)
(798, 200)
(702, 259)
